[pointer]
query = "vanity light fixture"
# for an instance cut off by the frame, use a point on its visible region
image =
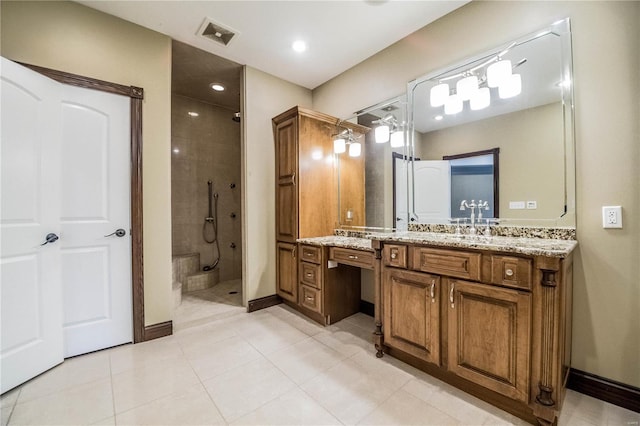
(438, 117)
(397, 139)
(346, 138)
(355, 148)
(217, 87)
(473, 84)
(382, 133)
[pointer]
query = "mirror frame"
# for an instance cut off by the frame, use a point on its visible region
(561, 28)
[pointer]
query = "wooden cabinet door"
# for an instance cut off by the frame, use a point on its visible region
(411, 313)
(287, 271)
(286, 146)
(489, 336)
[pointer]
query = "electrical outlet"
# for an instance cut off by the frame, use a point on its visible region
(531, 205)
(612, 217)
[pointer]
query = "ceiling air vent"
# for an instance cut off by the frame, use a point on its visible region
(216, 32)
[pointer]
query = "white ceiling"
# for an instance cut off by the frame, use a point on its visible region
(339, 34)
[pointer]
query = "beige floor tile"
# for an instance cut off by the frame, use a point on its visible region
(191, 407)
(269, 333)
(243, 389)
(72, 372)
(293, 408)
(345, 338)
(457, 407)
(133, 388)
(8, 399)
(355, 387)
(109, 421)
(215, 360)
(296, 319)
(202, 338)
(363, 321)
(83, 404)
(403, 408)
(305, 359)
(144, 355)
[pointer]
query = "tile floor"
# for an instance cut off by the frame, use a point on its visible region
(224, 366)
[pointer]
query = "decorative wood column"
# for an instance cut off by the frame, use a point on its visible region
(378, 337)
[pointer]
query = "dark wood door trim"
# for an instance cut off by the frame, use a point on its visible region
(136, 94)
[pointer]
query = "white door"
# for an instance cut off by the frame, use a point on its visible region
(400, 220)
(30, 286)
(432, 195)
(95, 203)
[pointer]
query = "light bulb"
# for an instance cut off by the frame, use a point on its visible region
(382, 133)
(466, 87)
(339, 146)
(397, 139)
(439, 94)
(498, 72)
(510, 87)
(481, 99)
(453, 105)
(354, 149)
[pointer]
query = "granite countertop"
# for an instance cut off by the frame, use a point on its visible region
(336, 241)
(518, 245)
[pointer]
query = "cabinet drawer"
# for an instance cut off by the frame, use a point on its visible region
(310, 254)
(451, 263)
(511, 271)
(311, 298)
(395, 255)
(311, 274)
(359, 258)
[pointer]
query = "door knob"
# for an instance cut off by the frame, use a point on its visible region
(50, 238)
(118, 233)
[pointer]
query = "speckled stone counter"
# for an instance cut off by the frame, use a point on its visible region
(526, 246)
(519, 245)
(339, 241)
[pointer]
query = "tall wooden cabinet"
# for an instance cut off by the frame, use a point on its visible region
(306, 186)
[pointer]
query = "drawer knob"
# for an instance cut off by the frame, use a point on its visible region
(309, 274)
(509, 272)
(352, 256)
(309, 254)
(394, 255)
(308, 297)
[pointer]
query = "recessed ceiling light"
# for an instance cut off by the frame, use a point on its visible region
(217, 87)
(299, 46)
(438, 117)
(193, 114)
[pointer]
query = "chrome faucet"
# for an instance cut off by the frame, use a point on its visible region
(482, 205)
(463, 206)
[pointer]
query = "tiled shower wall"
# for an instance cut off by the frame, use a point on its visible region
(208, 148)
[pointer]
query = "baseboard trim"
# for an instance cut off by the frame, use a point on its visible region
(263, 302)
(620, 394)
(156, 331)
(367, 308)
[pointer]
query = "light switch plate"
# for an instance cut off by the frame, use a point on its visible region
(612, 217)
(531, 205)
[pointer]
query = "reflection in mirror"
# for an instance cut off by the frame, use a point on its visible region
(518, 98)
(385, 185)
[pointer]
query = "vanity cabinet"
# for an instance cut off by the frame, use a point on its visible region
(412, 313)
(489, 336)
(305, 185)
(495, 324)
(325, 294)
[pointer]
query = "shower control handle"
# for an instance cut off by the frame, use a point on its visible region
(118, 233)
(50, 238)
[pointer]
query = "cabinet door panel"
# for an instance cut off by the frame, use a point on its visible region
(287, 272)
(286, 138)
(489, 335)
(411, 313)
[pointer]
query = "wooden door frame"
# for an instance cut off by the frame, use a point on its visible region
(136, 94)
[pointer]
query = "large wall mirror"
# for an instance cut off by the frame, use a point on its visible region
(380, 168)
(508, 110)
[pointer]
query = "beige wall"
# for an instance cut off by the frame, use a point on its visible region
(265, 96)
(606, 54)
(531, 162)
(73, 38)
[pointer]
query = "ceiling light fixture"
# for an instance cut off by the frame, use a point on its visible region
(217, 87)
(299, 46)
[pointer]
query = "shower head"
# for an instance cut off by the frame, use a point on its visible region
(236, 117)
